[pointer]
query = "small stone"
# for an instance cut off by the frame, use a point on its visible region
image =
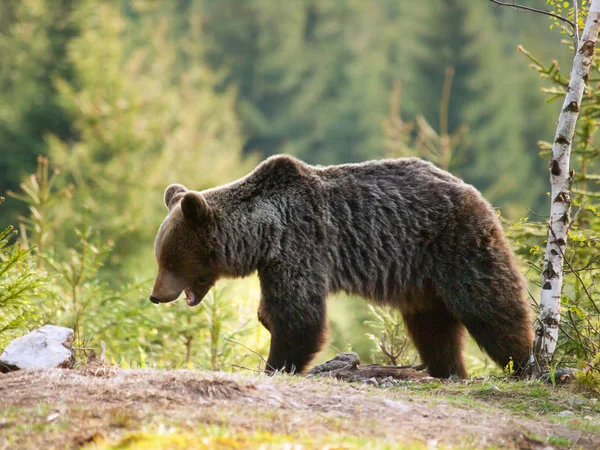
(372, 381)
(390, 381)
(565, 413)
(52, 416)
(48, 347)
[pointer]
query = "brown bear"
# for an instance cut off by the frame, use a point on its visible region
(397, 232)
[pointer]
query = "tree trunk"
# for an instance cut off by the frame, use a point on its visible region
(560, 179)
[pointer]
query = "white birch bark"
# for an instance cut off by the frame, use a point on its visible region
(560, 202)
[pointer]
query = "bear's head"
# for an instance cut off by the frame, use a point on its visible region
(182, 248)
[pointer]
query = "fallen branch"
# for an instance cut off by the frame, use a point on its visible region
(346, 367)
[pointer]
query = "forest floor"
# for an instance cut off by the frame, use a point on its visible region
(154, 409)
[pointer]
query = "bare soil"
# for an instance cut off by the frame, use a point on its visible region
(70, 409)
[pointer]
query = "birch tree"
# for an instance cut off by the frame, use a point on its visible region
(560, 202)
(561, 178)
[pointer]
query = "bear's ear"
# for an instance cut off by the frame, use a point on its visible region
(173, 194)
(194, 207)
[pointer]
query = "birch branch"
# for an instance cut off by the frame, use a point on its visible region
(534, 10)
(560, 201)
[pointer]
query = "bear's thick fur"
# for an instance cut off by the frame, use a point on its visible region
(398, 232)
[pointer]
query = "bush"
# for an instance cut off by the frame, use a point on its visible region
(391, 343)
(19, 284)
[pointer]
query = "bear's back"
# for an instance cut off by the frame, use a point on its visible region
(405, 193)
(390, 220)
(404, 173)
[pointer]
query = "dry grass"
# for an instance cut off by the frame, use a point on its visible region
(191, 409)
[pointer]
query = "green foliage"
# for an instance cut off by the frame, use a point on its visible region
(39, 195)
(464, 36)
(76, 287)
(312, 77)
(19, 282)
(565, 9)
(139, 124)
(419, 138)
(391, 344)
(509, 369)
(33, 38)
(216, 317)
(137, 333)
(588, 378)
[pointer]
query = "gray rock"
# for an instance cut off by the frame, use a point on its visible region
(48, 347)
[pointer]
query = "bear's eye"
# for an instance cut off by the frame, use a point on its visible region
(202, 280)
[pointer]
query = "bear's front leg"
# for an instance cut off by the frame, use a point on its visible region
(296, 320)
(291, 352)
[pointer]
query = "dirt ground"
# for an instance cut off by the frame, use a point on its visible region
(71, 409)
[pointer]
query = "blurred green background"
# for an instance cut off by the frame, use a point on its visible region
(126, 97)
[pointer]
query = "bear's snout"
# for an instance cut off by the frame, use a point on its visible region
(158, 300)
(167, 288)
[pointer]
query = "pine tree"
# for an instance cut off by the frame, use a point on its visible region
(143, 117)
(33, 39)
(19, 282)
(140, 125)
(313, 78)
(483, 97)
(531, 31)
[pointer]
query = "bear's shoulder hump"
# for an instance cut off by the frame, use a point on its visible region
(281, 166)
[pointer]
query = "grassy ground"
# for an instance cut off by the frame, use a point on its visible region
(148, 409)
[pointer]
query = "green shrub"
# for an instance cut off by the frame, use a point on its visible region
(19, 284)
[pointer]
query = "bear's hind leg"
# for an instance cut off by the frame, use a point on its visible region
(490, 303)
(504, 335)
(439, 338)
(481, 284)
